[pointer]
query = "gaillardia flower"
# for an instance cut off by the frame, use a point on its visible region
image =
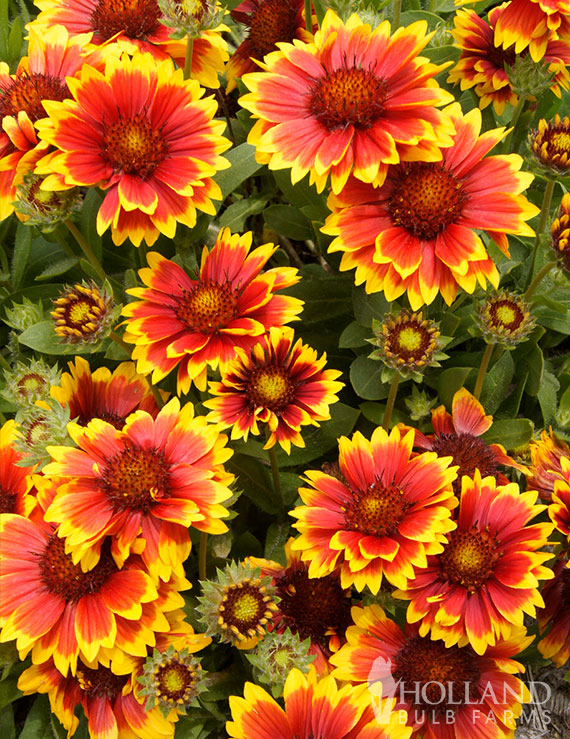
(195, 323)
(556, 613)
(149, 481)
(504, 318)
(417, 233)
(277, 383)
(532, 23)
(560, 233)
(276, 655)
(14, 480)
(559, 509)
(154, 152)
(482, 64)
(458, 434)
(546, 455)
(487, 575)
(29, 381)
(268, 22)
(314, 709)
(171, 680)
(354, 100)
(550, 144)
(83, 313)
(389, 511)
(446, 691)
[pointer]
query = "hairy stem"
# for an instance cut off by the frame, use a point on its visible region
(538, 279)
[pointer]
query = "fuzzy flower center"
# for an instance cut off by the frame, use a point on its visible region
(426, 199)
(469, 452)
(136, 478)
(469, 558)
(438, 677)
(133, 146)
(348, 96)
(377, 510)
(136, 19)
(26, 92)
(208, 307)
(270, 387)
(7, 500)
(244, 608)
(175, 682)
(272, 21)
(67, 580)
(100, 682)
(506, 314)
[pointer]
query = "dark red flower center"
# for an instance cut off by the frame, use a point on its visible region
(175, 681)
(100, 682)
(313, 607)
(270, 387)
(31, 384)
(377, 510)
(434, 676)
(426, 199)
(469, 452)
(244, 608)
(469, 558)
(499, 56)
(137, 19)
(506, 314)
(565, 589)
(25, 92)
(67, 580)
(348, 96)
(272, 21)
(7, 500)
(133, 146)
(551, 143)
(409, 342)
(135, 478)
(208, 307)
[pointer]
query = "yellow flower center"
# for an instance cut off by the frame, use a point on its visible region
(377, 510)
(270, 387)
(245, 608)
(26, 92)
(348, 96)
(31, 384)
(426, 199)
(560, 140)
(409, 342)
(272, 21)
(551, 143)
(136, 19)
(132, 146)
(506, 314)
(469, 558)
(136, 478)
(38, 433)
(80, 312)
(175, 680)
(208, 307)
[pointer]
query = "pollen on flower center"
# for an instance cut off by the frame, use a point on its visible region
(377, 510)
(67, 580)
(469, 452)
(272, 21)
(100, 682)
(270, 387)
(245, 608)
(208, 307)
(409, 341)
(26, 93)
(348, 96)
(132, 146)
(507, 314)
(175, 682)
(426, 198)
(560, 140)
(469, 558)
(136, 478)
(137, 19)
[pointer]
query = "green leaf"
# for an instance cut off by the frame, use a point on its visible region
(497, 381)
(22, 249)
(354, 335)
(301, 193)
(510, 432)
(365, 376)
(531, 360)
(277, 535)
(38, 721)
(254, 478)
(9, 691)
(42, 338)
(236, 214)
(7, 726)
(366, 307)
(88, 222)
(243, 166)
(450, 381)
(288, 221)
(326, 295)
(411, 16)
(441, 54)
(547, 397)
(60, 267)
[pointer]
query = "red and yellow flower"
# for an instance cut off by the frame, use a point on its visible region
(560, 233)
(386, 513)
(268, 22)
(314, 709)
(277, 383)
(134, 27)
(417, 233)
(446, 691)
(15, 482)
(556, 613)
(195, 323)
(154, 152)
(354, 100)
(482, 64)
(458, 434)
(559, 509)
(143, 486)
(532, 24)
(546, 455)
(487, 576)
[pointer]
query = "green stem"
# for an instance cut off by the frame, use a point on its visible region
(483, 370)
(224, 107)
(390, 402)
(59, 233)
(538, 279)
(397, 10)
(275, 475)
(515, 119)
(308, 16)
(544, 213)
(4, 362)
(188, 58)
(86, 248)
(203, 556)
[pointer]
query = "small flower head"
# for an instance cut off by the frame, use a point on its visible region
(529, 78)
(29, 381)
(277, 655)
(40, 426)
(560, 232)
(559, 509)
(504, 318)
(83, 313)
(550, 144)
(546, 468)
(45, 208)
(419, 404)
(190, 17)
(171, 680)
(238, 605)
(25, 314)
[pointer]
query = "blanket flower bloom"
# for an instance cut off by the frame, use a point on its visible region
(559, 509)
(417, 233)
(390, 509)
(531, 24)
(440, 687)
(488, 574)
(150, 481)
(354, 100)
(560, 234)
(14, 480)
(277, 383)
(546, 456)
(314, 709)
(556, 614)
(154, 152)
(195, 323)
